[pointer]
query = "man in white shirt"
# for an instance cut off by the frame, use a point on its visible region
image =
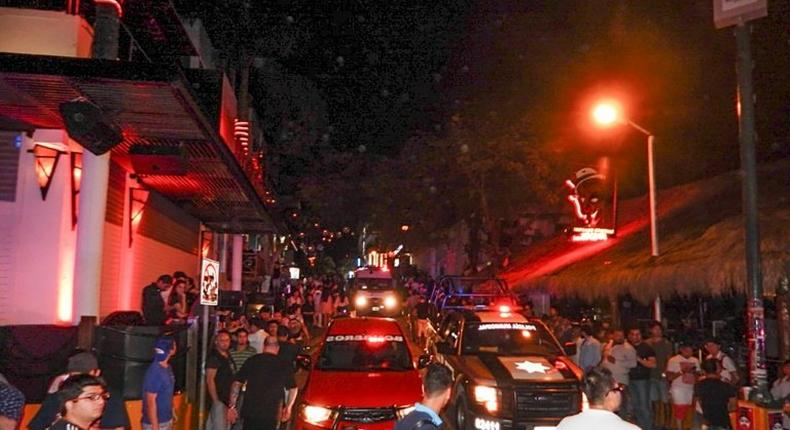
(605, 397)
(257, 334)
(729, 372)
(619, 357)
(682, 372)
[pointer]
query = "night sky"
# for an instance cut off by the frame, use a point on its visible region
(379, 72)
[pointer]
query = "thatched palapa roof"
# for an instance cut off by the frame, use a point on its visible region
(701, 238)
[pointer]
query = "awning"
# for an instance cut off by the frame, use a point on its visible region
(701, 241)
(155, 106)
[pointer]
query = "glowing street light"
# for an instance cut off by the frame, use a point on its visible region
(608, 113)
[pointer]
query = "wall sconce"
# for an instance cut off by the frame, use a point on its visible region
(138, 197)
(76, 183)
(206, 240)
(46, 159)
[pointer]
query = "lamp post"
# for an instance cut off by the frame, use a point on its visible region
(608, 114)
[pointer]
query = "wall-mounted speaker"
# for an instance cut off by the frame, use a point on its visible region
(87, 124)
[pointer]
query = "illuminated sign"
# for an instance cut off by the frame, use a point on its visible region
(583, 234)
(593, 197)
(507, 326)
(532, 367)
(363, 337)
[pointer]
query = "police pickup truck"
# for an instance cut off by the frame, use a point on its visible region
(510, 372)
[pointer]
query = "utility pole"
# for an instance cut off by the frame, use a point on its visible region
(754, 278)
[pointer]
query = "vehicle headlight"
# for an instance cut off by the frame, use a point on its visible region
(487, 396)
(361, 301)
(402, 412)
(316, 415)
(390, 302)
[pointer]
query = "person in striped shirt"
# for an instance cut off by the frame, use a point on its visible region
(243, 350)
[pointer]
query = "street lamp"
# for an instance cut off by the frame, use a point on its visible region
(606, 114)
(609, 113)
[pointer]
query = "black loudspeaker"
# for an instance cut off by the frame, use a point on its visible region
(86, 123)
(158, 160)
(125, 353)
(125, 318)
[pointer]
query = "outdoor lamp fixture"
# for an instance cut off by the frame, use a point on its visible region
(206, 239)
(609, 113)
(138, 197)
(76, 182)
(46, 161)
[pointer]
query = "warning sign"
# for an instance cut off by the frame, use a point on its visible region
(209, 282)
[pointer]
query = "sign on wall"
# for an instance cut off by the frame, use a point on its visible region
(209, 282)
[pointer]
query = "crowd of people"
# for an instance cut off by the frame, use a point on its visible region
(664, 384)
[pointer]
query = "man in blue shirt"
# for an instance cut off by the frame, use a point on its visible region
(158, 387)
(589, 349)
(437, 388)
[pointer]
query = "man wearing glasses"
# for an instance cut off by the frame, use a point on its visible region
(605, 397)
(82, 401)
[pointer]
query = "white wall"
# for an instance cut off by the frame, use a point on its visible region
(39, 236)
(30, 31)
(37, 249)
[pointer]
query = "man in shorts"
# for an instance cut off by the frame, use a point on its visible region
(682, 372)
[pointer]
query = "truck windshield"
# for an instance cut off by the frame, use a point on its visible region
(374, 284)
(508, 338)
(364, 353)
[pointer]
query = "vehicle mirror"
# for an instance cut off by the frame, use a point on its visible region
(304, 361)
(423, 361)
(445, 348)
(570, 348)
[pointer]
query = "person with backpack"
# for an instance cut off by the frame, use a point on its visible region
(437, 388)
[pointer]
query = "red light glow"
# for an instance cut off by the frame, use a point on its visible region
(560, 365)
(504, 309)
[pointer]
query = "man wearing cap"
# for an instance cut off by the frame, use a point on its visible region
(158, 386)
(154, 311)
(82, 363)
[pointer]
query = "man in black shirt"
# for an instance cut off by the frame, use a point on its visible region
(219, 377)
(115, 416)
(288, 349)
(639, 379)
(267, 376)
(153, 303)
(82, 400)
(715, 396)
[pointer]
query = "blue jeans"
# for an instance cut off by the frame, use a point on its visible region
(640, 403)
(218, 417)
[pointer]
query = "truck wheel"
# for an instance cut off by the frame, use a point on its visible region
(460, 413)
